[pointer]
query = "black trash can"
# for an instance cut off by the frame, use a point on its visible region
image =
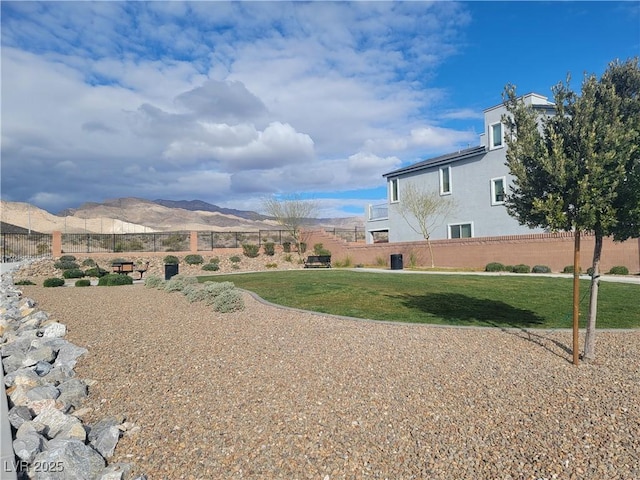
(396, 261)
(170, 269)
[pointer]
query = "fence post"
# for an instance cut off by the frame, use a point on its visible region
(56, 243)
(193, 241)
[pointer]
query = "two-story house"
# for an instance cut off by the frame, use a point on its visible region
(476, 179)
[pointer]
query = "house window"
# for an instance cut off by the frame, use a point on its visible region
(462, 230)
(495, 135)
(393, 190)
(445, 180)
(497, 190)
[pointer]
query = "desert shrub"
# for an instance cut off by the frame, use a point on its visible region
(540, 269)
(42, 248)
(73, 273)
(174, 242)
(67, 258)
(194, 259)
(413, 259)
(619, 270)
(269, 248)
(271, 265)
(211, 267)
(153, 281)
(24, 282)
(95, 272)
(83, 283)
(381, 261)
(250, 250)
(345, 263)
(194, 293)
(318, 249)
(288, 258)
(177, 283)
(568, 269)
(214, 289)
(88, 262)
(214, 260)
(302, 247)
(53, 282)
(129, 246)
(114, 280)
(171, 260)
(494, 267)
(228, 301)
(66, 265)
(286, 247)
(521, 268)
(234, 259)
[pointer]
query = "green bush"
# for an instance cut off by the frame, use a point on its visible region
(171, 260)
(213, 289)
(521, 268)
(194, 259)
(619, 270)
(288, 258)
(24, 282)
(194, 293)
(66, 265)
(83, 283)
(73, 273)
(42, 248)
(154, 281)
(494, 267)
(269, 248)
(250, 250)
(53, 282)
(540, 269)
(302, 247)
(114, 280)
(211, 267)
(229, 301)
(286, 247)
(509, 268)
(271, 265)
(177, 283)
(214, 260)
(88, 262)
(569, 269)
(318, 249)
(234, 259)
(67, 258)
(95, 272)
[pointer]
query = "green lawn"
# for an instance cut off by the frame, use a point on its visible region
(504, 301)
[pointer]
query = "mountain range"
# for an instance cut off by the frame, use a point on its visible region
(137, 215)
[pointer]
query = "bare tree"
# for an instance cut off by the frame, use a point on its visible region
(424, 210)
(292, 213)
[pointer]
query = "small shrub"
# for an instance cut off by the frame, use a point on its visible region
(302, 247)
(42, 248)
(88, 262)
(83, 283)
(95, 272)
(171, 260)
(211, 267)
(153, 281)
(619, 270)
(73, 273)
(346, 263)
(286, 247)
(66, 265)
(194, 259)
(214, 260)
(269, 248)
(177, 283)
(24, 282)
(229, 301)
(569, 269)
(194, 293)
(53, 282)
(494, 267)
(114, 280)
(67, 258)
(521, 268)
(234, 259)
(288, 258)
(250, 250)
(271, 265)
(381, 261)
(508, 268)
(214, 289)
(540, 269)
(413, 259)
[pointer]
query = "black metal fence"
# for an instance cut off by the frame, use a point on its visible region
(20, 246)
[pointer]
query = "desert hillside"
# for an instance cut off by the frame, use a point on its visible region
(134, 215)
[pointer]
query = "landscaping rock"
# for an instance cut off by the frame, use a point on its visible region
(76, 461)
(18, 415)
(104, 436)
(43, 392)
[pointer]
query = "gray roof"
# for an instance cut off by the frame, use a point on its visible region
(441, 160)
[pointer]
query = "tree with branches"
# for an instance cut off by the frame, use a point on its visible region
(293, 213)
(579, 169)
(424, 210)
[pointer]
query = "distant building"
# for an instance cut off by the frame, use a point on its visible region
(476, 178)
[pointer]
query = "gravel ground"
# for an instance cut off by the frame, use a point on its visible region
(271, 393)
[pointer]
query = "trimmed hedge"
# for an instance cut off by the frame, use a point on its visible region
(619, 270)
(194, 259)
(521, 268)
(73, 273)
(494, 267)
(211, 267)
(540, 269)
(114, 280)
(171, 260)
(53, 282)
(83, 283)
(66, 265)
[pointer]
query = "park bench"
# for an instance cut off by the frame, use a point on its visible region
(122, 267)
(315, 261)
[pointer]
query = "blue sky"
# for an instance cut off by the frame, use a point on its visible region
(233, 102)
